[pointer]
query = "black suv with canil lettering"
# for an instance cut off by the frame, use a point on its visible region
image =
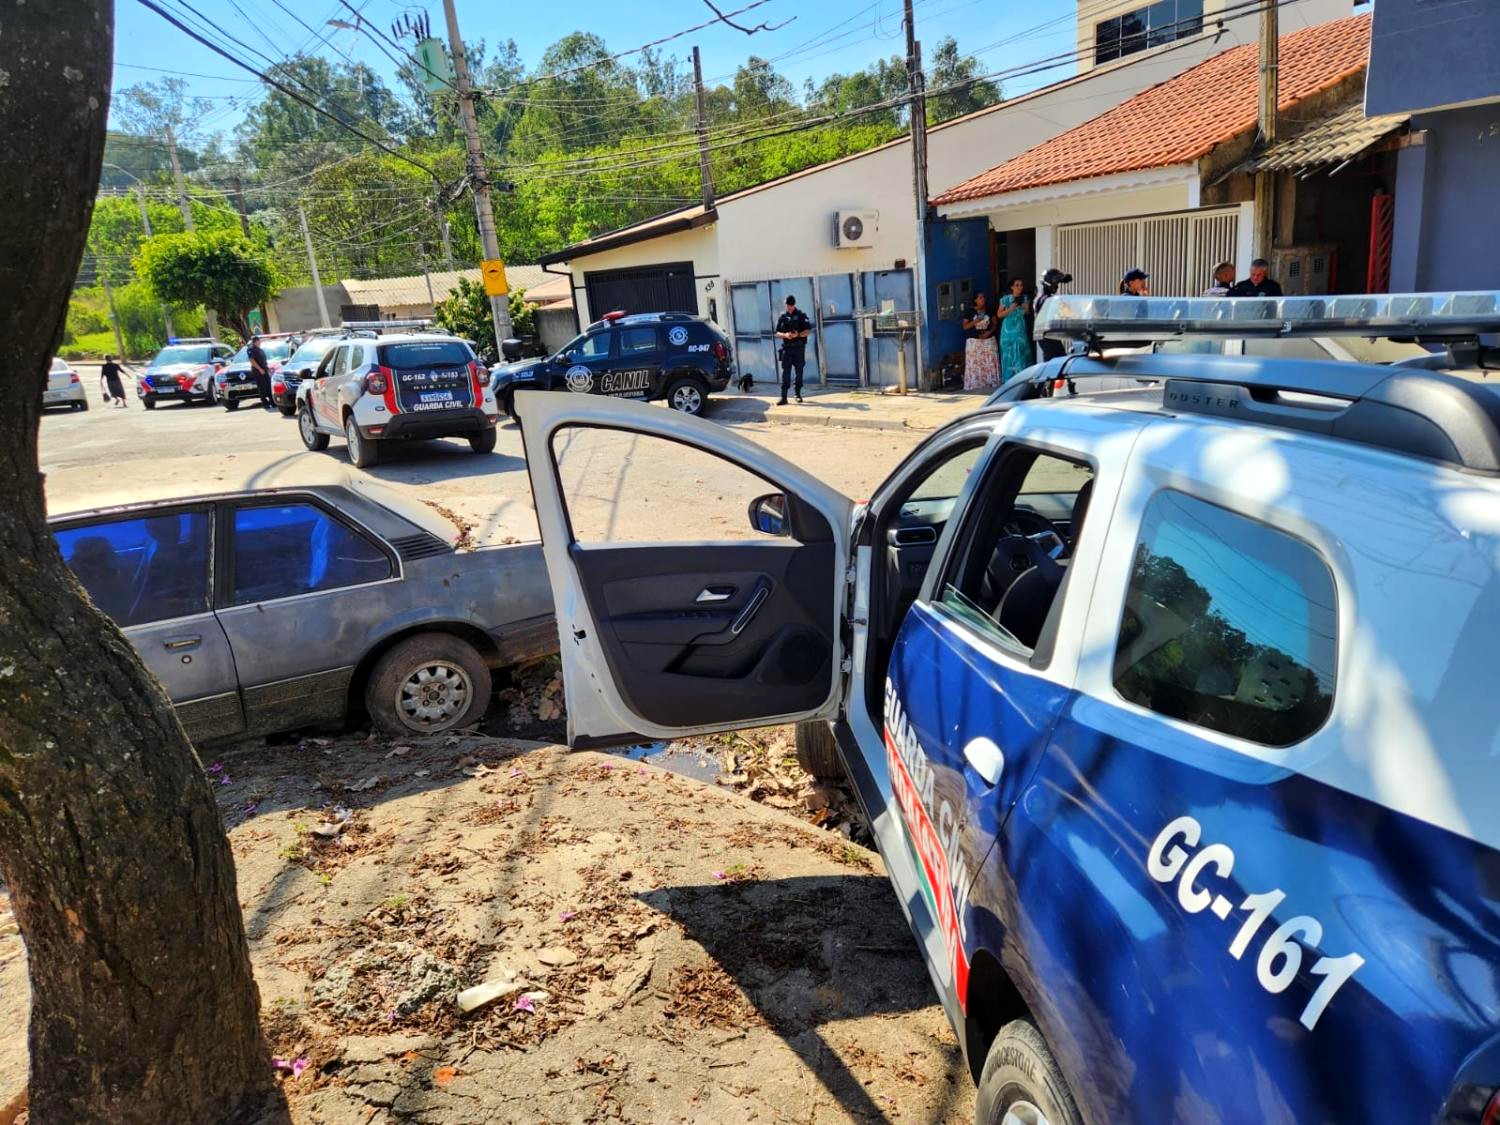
(671, 356)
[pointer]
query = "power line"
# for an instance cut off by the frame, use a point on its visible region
(268, 80)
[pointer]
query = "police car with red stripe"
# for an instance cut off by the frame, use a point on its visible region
(1167, 684)
(371, 389)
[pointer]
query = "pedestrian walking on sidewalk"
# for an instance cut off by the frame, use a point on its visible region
(114, 387)
(260, 370)
(1015, 343)
(792, 329)
(981, 358)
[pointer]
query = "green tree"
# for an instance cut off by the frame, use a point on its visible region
(465, 312)
(947, 68)
(220, 269)
(143, 1004)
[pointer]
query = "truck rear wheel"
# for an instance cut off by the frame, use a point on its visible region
(362, 451)
(688, 395)
(483, 441)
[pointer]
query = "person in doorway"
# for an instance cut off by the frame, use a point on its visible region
(792, 329)
(1260, 283)
(260, 371)
(1015, 343)
(1222, 281)
(1134, 283)
(114, 386)
(981, 358)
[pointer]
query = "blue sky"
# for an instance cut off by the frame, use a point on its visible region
(824, 37)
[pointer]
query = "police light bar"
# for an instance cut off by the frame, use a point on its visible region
(1429, 316)
(377, 325)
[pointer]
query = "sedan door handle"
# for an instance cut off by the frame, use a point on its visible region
(182, 642)
(714, 594)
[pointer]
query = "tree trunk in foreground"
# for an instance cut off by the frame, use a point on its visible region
(143, 1004)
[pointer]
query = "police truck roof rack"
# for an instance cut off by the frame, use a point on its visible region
(192, 340)
(1402, 409)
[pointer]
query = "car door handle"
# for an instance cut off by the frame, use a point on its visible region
(752, 607)
(182, 642)
(985, 758)
(714, 594)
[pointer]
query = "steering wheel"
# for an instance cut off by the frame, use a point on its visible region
(1016, 552)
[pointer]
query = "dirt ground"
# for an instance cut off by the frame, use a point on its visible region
(662, 949)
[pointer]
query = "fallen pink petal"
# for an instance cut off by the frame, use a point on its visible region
(721, 875)
(524, 1004)
(567, 915)
(298, 1067)
(280, 1063)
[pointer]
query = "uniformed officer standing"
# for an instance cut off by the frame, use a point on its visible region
(792, 329)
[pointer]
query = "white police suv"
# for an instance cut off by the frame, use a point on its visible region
(1171, 704)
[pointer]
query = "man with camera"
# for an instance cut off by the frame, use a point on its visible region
(1050, 349)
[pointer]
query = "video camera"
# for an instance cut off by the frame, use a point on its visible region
(1052, 279)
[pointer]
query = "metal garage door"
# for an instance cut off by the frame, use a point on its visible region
(1178, 250)
(666, 288)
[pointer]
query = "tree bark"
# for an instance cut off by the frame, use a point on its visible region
(144, 1008)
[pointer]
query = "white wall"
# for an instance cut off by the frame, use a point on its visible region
(699, 246)
(787, 229)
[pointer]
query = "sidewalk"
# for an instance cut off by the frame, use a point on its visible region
(860, 408)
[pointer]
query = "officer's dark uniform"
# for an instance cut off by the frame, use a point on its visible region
(793, 352)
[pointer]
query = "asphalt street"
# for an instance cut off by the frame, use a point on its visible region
(619, 489)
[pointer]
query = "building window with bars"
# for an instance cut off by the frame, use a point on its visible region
(1150, 26)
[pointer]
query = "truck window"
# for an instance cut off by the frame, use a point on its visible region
(1228, 624)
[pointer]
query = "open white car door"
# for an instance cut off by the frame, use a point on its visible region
(683, 636)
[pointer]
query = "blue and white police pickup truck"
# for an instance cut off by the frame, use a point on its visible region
(1167, 683)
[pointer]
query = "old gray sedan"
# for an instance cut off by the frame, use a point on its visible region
(275, 609)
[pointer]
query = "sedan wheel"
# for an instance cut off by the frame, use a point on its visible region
(428, 684)
(362, 452)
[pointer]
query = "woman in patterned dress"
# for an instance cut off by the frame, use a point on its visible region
(981, 359)
(1016, 352)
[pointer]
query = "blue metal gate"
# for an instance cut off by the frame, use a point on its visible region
(756, 305)
(893, 290)
(837, 330)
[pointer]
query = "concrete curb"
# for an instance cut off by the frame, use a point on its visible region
(802, 416)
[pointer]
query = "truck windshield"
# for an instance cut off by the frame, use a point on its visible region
(182, 354)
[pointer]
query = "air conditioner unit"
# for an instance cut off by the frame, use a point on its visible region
(853, 229)
(1303, 271)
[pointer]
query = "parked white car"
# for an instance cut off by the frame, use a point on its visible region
(64, 388)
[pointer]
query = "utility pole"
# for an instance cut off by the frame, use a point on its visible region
(705, 177)
(166, 314)
(312, 264)
(114, 317)
(239, 200)
(478, 179)
(1265, 181)
(187, 216)
(916, 86)
(447, 240)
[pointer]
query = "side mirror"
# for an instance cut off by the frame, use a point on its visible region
(305, 373)
(768, 514)
(511, 350)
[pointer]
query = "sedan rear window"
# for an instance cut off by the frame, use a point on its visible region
(59, 367)
(438, 353)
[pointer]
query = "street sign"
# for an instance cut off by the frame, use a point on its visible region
(433, 67)
(493, 272)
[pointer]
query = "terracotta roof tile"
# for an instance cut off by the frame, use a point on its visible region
(1183, 118)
